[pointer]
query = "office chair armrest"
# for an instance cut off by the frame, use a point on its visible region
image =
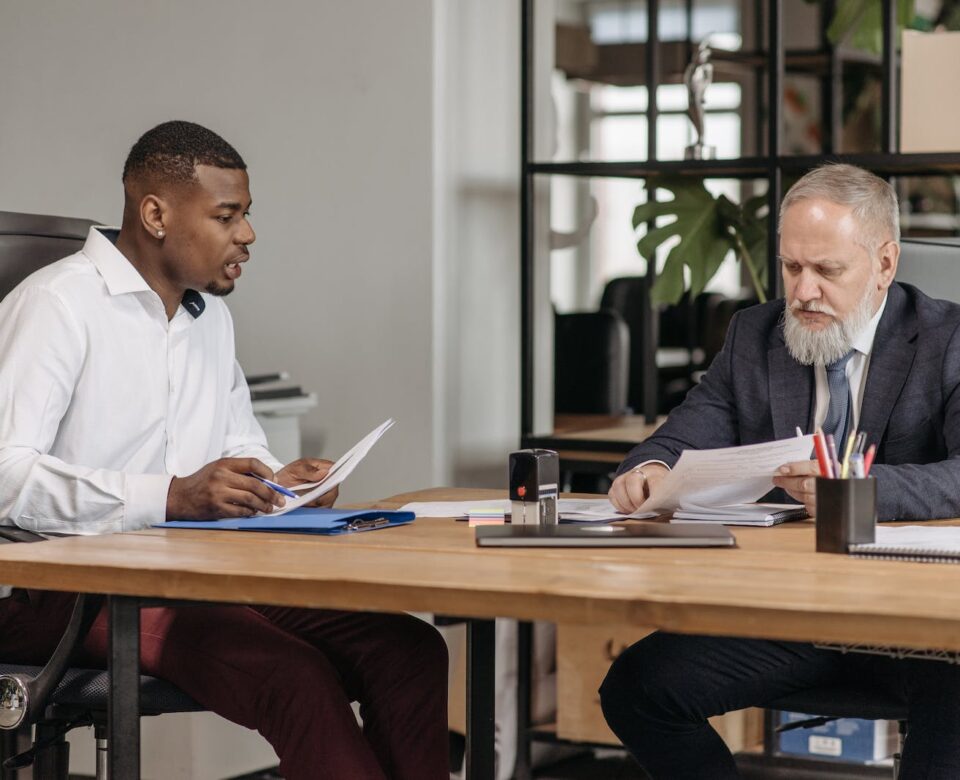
(22, 698)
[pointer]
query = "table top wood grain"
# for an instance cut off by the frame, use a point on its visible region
(772, 585)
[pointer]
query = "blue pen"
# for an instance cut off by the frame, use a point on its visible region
(275, 486)
(857, 466)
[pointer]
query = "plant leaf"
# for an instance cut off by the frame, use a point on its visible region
(704, 241)
(862, 22)
(846, 16)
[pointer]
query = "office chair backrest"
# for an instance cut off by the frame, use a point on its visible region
(590, 363)
(933, 265)
(625, 295)
(31, 241)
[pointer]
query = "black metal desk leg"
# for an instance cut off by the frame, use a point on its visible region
(123, 707)
(524, 688)
(481, 697)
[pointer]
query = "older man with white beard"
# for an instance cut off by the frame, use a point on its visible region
(847, 348)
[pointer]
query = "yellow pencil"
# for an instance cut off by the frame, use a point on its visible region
(846, 453)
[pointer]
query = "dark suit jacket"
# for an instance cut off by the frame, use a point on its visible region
(755, 392)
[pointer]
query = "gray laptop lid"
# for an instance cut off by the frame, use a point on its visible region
(620, 535)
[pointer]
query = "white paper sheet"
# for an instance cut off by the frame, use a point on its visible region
(339, 471)
(594, 510)
(580, 509)
(931, 537)
(731, 475)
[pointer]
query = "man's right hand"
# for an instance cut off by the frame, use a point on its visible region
(631, 489)
(222, 489)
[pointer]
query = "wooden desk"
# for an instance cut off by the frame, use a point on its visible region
(594, 443)
(773, 586)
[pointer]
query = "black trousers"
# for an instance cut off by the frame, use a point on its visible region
(659, 693)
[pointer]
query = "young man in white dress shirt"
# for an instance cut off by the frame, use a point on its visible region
(122, 405)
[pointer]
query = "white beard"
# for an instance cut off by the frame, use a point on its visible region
(823, 347)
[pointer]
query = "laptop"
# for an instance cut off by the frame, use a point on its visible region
(626, 535)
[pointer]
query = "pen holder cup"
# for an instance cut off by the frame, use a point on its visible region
(846, 513)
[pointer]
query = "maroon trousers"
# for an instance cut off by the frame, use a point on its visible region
(288, 673)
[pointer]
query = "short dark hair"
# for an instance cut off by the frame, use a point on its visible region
(170, 153)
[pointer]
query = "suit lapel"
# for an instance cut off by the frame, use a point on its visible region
(791, 391)
(891, 359)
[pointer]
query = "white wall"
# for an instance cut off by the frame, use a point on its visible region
(477, 223)
(331, 104)
(381, 139)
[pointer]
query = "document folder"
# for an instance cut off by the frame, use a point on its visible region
(627, 535)
(313, 520)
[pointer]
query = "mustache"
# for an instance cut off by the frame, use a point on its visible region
(813, 306)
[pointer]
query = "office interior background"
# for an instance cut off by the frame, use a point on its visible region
(383, 140)
(383, 145)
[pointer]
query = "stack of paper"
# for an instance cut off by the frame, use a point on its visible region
(593, 510)
(578, 510)
(484, 515)
(740, 514)
(919, 543)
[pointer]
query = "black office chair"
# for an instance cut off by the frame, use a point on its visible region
(590, 363)
(683, 326)
(56, 698)
(591, 354)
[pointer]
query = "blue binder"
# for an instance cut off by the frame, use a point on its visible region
(313, 520)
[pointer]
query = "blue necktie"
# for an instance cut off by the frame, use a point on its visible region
(839, 412)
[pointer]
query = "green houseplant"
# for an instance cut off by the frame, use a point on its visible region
(860, 22)
(708, 228)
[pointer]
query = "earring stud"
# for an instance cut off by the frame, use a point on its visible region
(161, 233)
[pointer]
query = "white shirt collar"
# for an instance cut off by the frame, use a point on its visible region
(117, 271)
(120, 275)
(863, 342)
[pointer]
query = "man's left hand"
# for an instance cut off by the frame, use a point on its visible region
(799, 479)
(306, 470)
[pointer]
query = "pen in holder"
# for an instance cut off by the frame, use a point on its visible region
(846, 513)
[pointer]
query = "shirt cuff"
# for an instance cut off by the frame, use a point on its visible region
(146, 500)
(649, 463)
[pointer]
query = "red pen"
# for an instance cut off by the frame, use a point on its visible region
(868, 459)
(820, 446)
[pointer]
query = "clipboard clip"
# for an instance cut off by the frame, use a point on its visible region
(367, 524)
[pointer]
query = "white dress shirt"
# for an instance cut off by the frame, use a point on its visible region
(103, 400)
(856, 371)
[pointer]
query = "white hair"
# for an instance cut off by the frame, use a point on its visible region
(872, 200)
(823, 347)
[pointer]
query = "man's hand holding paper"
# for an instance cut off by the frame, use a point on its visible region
(630, 490)
(730, 475)
(309, 470)
(799, 480)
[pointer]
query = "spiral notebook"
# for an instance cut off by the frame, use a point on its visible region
(740, 514)
(917, 543)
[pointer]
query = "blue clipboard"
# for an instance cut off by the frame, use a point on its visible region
(313, 520)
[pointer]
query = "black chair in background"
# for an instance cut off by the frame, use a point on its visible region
(590, 363)
(30, 241)
(56, 698)
(591, 353)
(686, 332)
(625, 295)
